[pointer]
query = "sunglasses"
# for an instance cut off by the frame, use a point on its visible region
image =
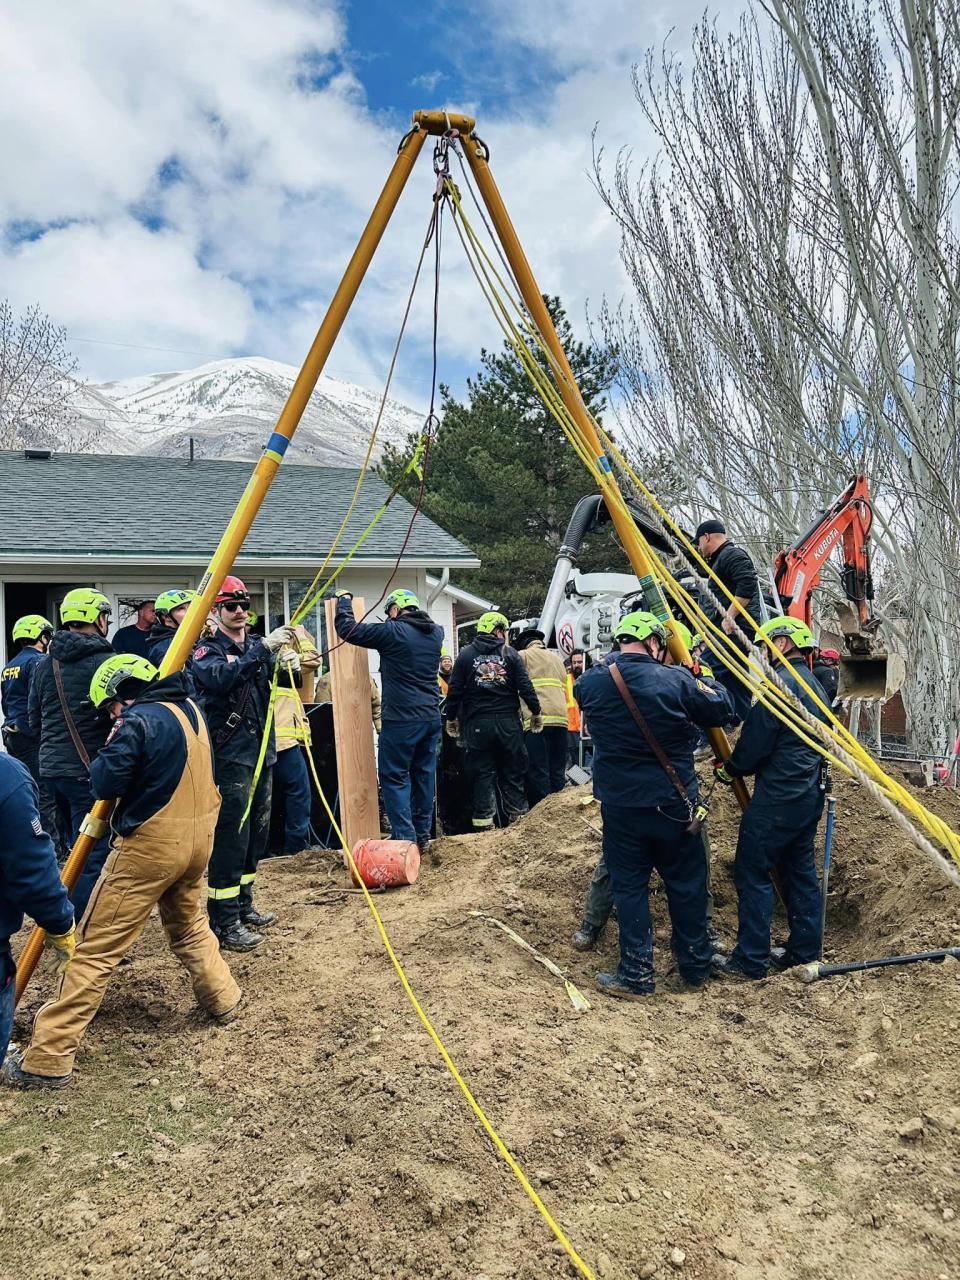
(232, 606)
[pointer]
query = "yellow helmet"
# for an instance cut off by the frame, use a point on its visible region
(110, 675)
(31, 627)
(83, 604)
(490, 622)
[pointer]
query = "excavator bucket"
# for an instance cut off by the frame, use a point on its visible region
(868, 671)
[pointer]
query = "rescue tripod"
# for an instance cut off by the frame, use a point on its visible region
(450, 129)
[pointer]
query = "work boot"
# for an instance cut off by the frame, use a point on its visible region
(611, 985)
(586, 937)
(778, 959)
(230, 1015)
(717, 944)
(237, 937)
(727, 967)
(426, 844)
(257, 919)
(14, 1076)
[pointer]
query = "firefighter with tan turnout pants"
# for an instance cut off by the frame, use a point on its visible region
(157, 764)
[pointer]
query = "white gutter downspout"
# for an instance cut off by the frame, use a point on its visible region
(444, 580)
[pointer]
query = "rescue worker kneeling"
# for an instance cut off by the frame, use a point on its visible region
(157, 764)
(645, 820)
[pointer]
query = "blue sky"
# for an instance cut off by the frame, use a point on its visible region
(185, 179)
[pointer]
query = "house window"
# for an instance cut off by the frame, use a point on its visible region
(276, 609)
(314, 621)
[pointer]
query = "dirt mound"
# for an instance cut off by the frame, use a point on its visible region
(769, 1130)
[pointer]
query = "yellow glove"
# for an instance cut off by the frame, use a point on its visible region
(378, 724)
(64, 945)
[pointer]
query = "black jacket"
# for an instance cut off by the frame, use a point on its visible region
(79, 654)
(159, 640)
(672, 700)
(829, 678)
(233, 682)
(409, 649)
(145, 754)
(489, 679)
(787, 770)
(736, 571)
(132, 640)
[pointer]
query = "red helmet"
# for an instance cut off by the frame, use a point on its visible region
(232, 589)
(831, 655)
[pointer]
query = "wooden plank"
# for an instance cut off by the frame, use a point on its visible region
(353, 733)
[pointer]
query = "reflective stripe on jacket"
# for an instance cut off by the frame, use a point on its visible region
(573, 707)
(289, 717)
(549, 677)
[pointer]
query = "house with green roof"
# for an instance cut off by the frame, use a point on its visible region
(131, 526)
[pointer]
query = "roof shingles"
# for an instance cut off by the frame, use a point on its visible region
(137, 507)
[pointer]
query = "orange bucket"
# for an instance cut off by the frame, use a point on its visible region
(383, 864)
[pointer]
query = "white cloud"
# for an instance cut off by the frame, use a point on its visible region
(270, 163)
(116, 280)
(428, 81)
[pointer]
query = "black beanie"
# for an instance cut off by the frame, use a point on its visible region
(709, 526)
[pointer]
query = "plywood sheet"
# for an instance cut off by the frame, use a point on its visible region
(353, 733)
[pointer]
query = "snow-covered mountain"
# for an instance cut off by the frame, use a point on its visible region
(229, 408)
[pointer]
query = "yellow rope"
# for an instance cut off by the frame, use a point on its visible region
(441, 1048)
(777, 699)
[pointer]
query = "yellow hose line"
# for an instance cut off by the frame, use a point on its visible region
(441, 1048)
(773, 697)
(840, 733)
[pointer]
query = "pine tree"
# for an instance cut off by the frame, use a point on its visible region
(503, 478)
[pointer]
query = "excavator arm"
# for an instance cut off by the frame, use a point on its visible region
(867, 671)
(798, 570)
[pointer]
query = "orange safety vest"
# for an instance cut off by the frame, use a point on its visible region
(573, 707)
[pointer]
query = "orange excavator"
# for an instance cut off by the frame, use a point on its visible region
(868, 671)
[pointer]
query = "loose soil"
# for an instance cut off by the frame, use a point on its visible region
(742, 1132)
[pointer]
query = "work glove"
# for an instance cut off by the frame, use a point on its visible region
(453, 729)
(378, 724)
(536, 724)
(63, 946)
(290, 660)
(278, 638)
(722, 773)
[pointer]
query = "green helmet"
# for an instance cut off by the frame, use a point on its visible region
(640, 625)
(167, 601)
(683, 631)
(698, 639)
(402, 599)
(490, 622)
(31, 627)
(794, 628)
(83, 604)
(110, 675)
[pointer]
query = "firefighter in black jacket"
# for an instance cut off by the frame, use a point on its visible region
(32, 634)
(232, 673)
(646, 823)
(486, 685)
(778, 829)
(735, 569)
(70, 731)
